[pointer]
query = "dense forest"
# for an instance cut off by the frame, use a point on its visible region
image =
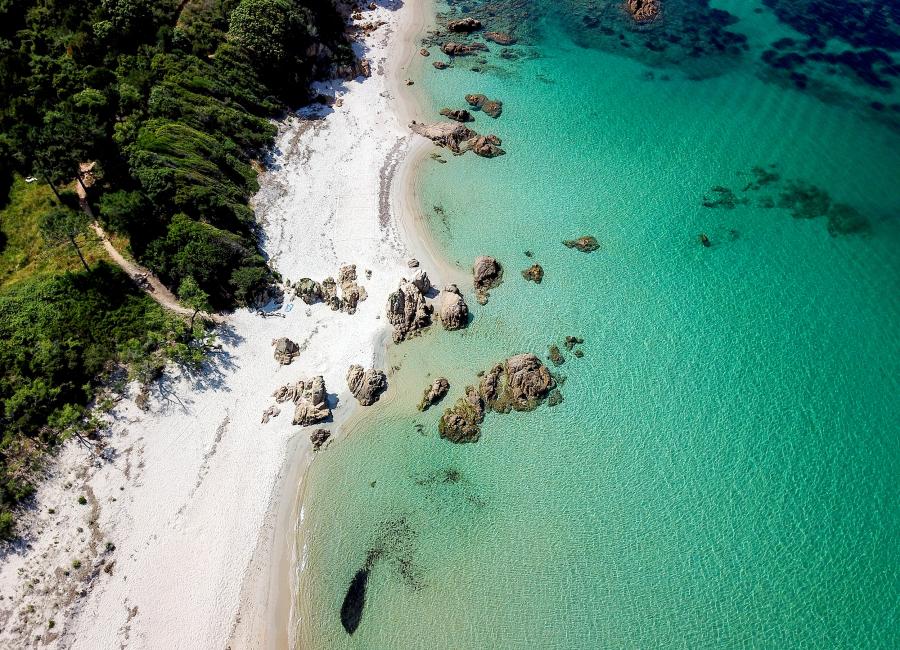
(172, 103)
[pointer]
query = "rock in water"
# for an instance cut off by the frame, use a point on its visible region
(464, 25)
(309, 291)
(454, 312)
(407, 311)
(643, 11)
(434, 393)
(586, 244)
(354, 601)
(457, 115)
(535, 273)
(459, 138)
(462, 49)
(366, 385)
(487, 274)
(521, 383)
(285, 350)
(462, 422)
(556, 356)
(318, 438)
(704, 240)
(492, 107)
(501, 38)
(310, 399)
(572, 341)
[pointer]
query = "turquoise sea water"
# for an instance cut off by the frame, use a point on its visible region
(724, 469)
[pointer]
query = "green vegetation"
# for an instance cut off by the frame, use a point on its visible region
(171, 102)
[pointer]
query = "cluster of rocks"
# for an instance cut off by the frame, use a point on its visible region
(486, 274)
(459, 138)
(409, 312)
(351, 293)
(643, 11)
(500, 38)
(556, 356)
(521, 383)
(586, 244)
(285, 350)
(434, 393)
(492, 107)
(309, 398)
(366, 385)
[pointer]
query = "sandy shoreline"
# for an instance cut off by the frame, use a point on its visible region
(183, 532)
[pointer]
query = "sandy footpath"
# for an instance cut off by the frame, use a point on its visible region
(181, 533)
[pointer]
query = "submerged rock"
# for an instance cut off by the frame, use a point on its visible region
(310, 400)
(285, 350)
(572, 341)
(434, 393)
(704, 240)
(492, 107)
(464, 25)
(534, 273)
(453, 311)
(462, 49)
(407, 311)
(501, 38)
(366, 385)
(556, 356)
(440, 65)
(487, 274)
(586, 244)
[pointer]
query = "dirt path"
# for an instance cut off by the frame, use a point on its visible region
(144, 277)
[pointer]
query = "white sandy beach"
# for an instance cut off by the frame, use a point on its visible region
(186, 536)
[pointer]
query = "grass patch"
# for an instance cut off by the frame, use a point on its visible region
(23, 252)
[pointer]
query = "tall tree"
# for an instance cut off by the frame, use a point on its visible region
(64, 224)
(194, 297)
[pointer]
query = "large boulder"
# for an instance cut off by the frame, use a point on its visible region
(459, 138)
(434, 393)
(366, 385)
(486, 274)
(453, 310)
(310, 399)
(308, 290)
(351, 293)
(407, 311)
(285, 350)
(318, 438)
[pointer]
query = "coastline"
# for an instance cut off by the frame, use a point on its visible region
(190, 529)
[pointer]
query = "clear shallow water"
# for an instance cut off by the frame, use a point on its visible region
(723, 471)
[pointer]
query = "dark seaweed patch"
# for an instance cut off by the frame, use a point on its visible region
(354, 601)
(802, 199)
